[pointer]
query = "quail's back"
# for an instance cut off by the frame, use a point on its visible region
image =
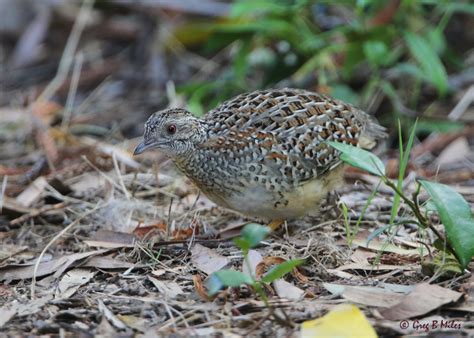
(264, 153)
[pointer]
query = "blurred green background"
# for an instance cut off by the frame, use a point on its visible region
(397, 59)
(394, 55)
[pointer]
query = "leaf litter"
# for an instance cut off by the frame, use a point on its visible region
(138, 264)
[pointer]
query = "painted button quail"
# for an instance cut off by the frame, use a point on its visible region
(263, 153)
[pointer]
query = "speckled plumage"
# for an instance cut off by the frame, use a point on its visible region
(263, 153)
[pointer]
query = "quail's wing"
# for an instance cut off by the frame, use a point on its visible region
(296, 123)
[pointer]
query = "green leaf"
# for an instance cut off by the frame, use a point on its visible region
(429, 61)
(253, 7)
(270, 26)
(251, 235)
(359, 158)
(404, 158)
(405, 68)
(280, 270)
(439, 126)
(465, 8)
(443, 264)
(376, 52)
(223, 278)
(436, 39)
(344, 93)
(455, 214)
(353, 57)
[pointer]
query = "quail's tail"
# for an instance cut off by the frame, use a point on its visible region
(371, 133)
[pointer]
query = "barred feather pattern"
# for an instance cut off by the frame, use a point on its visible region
(263, 152)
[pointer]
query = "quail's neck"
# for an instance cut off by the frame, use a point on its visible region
(200, 136)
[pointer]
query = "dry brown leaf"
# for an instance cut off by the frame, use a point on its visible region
(6, 313)
(136, 323)
(366, 295)
(46, 111)
(186, 232)
(287, 290)
(457, 150)
(9, 171)
(89, 181)
(10, 250)
(47, 142)
(72, 281)
(378, 267)
(117, 323)
(10, 207)
(362, 256)
(32, 193)
(377, 245)
(111, 239)
(5, 291)
(468, 304)
(107, 262)
(169, 289)
(105, 329)
(265, 264)
(207, 260)
(344, 274)
(57, 266)
(423, 299)
(15, 308)
(199, 286)
(150, 230)
(436, 142)
(299, 276)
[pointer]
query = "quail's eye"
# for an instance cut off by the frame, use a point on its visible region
(171, 129)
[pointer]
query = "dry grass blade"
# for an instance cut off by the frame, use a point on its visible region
(61, 233)
(68, 54)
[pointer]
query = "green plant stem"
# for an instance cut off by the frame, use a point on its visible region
(257, 285)
(416, 210)
(412, 205)
(262, 294)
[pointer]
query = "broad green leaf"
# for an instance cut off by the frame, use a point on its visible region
(280, 270)
(455, 214)
(429, 61)
(223, 278)
(359, 158)
(251, 235)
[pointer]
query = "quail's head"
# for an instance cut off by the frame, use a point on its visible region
(173, 131)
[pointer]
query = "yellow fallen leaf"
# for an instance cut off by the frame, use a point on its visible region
(344, 320)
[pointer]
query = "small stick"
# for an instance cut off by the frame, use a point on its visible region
(38, 212)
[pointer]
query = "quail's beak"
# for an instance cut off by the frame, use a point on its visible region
(142, 147)
(147, 145)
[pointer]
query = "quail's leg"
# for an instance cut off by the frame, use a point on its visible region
(275, 224)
